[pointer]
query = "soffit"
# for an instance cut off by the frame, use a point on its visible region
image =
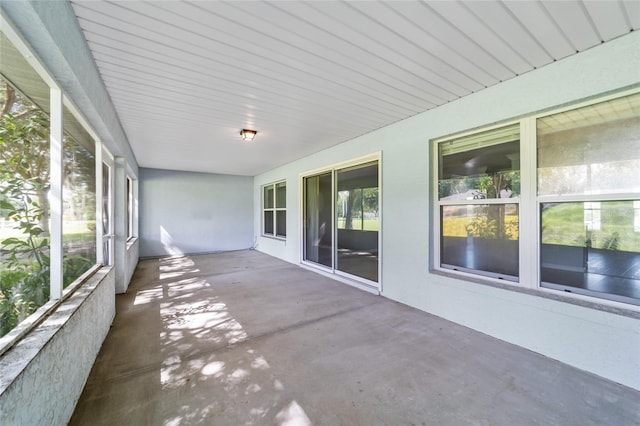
(185, 77)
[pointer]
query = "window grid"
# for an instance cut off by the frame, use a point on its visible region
(478, 200)
(531, 203)
(274, 210)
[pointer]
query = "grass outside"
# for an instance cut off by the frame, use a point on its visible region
(369, 224)
(75, 235)
(564, 224)
(71, 231)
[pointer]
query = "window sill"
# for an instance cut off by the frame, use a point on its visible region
(273, 237)
(615, 308)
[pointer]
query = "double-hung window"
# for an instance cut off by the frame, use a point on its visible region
(478, 193)
(588, 193)
(274, 209)
(550, 202)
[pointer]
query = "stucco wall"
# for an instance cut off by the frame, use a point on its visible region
(184, 212)
(133, 249)
(590, 339)
(42, 377)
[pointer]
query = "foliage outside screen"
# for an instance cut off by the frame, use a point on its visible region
(24, 208)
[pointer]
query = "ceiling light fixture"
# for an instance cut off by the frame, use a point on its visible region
(248, 135)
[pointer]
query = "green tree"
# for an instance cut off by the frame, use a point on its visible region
(24, 183)
(24, 147)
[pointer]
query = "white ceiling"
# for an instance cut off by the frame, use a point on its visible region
(185, 77)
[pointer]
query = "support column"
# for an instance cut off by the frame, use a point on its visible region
(55, 195)
(120, 222)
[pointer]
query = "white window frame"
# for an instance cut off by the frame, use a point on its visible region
(108, 160)
(58, 101)
(130, 210)
(274, 209)
(362, 283)
(524, 177)
(529, 209)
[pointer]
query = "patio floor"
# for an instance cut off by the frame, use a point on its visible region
(242, 338)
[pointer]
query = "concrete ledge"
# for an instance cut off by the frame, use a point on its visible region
(590, 302)
(133, 251)
(42, 375)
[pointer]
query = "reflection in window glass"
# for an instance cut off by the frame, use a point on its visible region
(476, 237)
(107, 241)
(357, 221)
(591, 150)
(318, 235)
(281, 213)
(129, 208)
(79, 200)
(24, 185)
(281, 195)
(281, 223)
(606, 259)
(480, 237)
(268, 222)
(268, 197)
(274, 207)
(592, 216)
(480, 166)
(591, 245)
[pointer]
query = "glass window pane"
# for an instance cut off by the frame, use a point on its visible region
(481, 238)
(24, 181)
(79, 200)
(357, 221)
(485, 165)
(281, 223)
(603, 259)
(590, 150)
(349, 209)
(318, 242)
(106, 214)
(268, 197)
(281, 195)
(129, 208)
(370, 210)
(268, 222)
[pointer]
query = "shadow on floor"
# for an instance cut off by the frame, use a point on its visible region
(245, 339)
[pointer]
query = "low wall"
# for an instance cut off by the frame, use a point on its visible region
(42, 376)
(133, 249)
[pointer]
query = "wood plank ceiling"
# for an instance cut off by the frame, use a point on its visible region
(185, 76)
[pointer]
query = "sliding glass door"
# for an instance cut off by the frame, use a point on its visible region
(357, 221)
(318, 234)
(341, 220)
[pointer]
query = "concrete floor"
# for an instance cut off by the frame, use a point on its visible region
(245, 339)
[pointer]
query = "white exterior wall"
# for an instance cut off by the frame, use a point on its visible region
(133, 249)
(607, 344)
(185, 212)
(42, 377)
